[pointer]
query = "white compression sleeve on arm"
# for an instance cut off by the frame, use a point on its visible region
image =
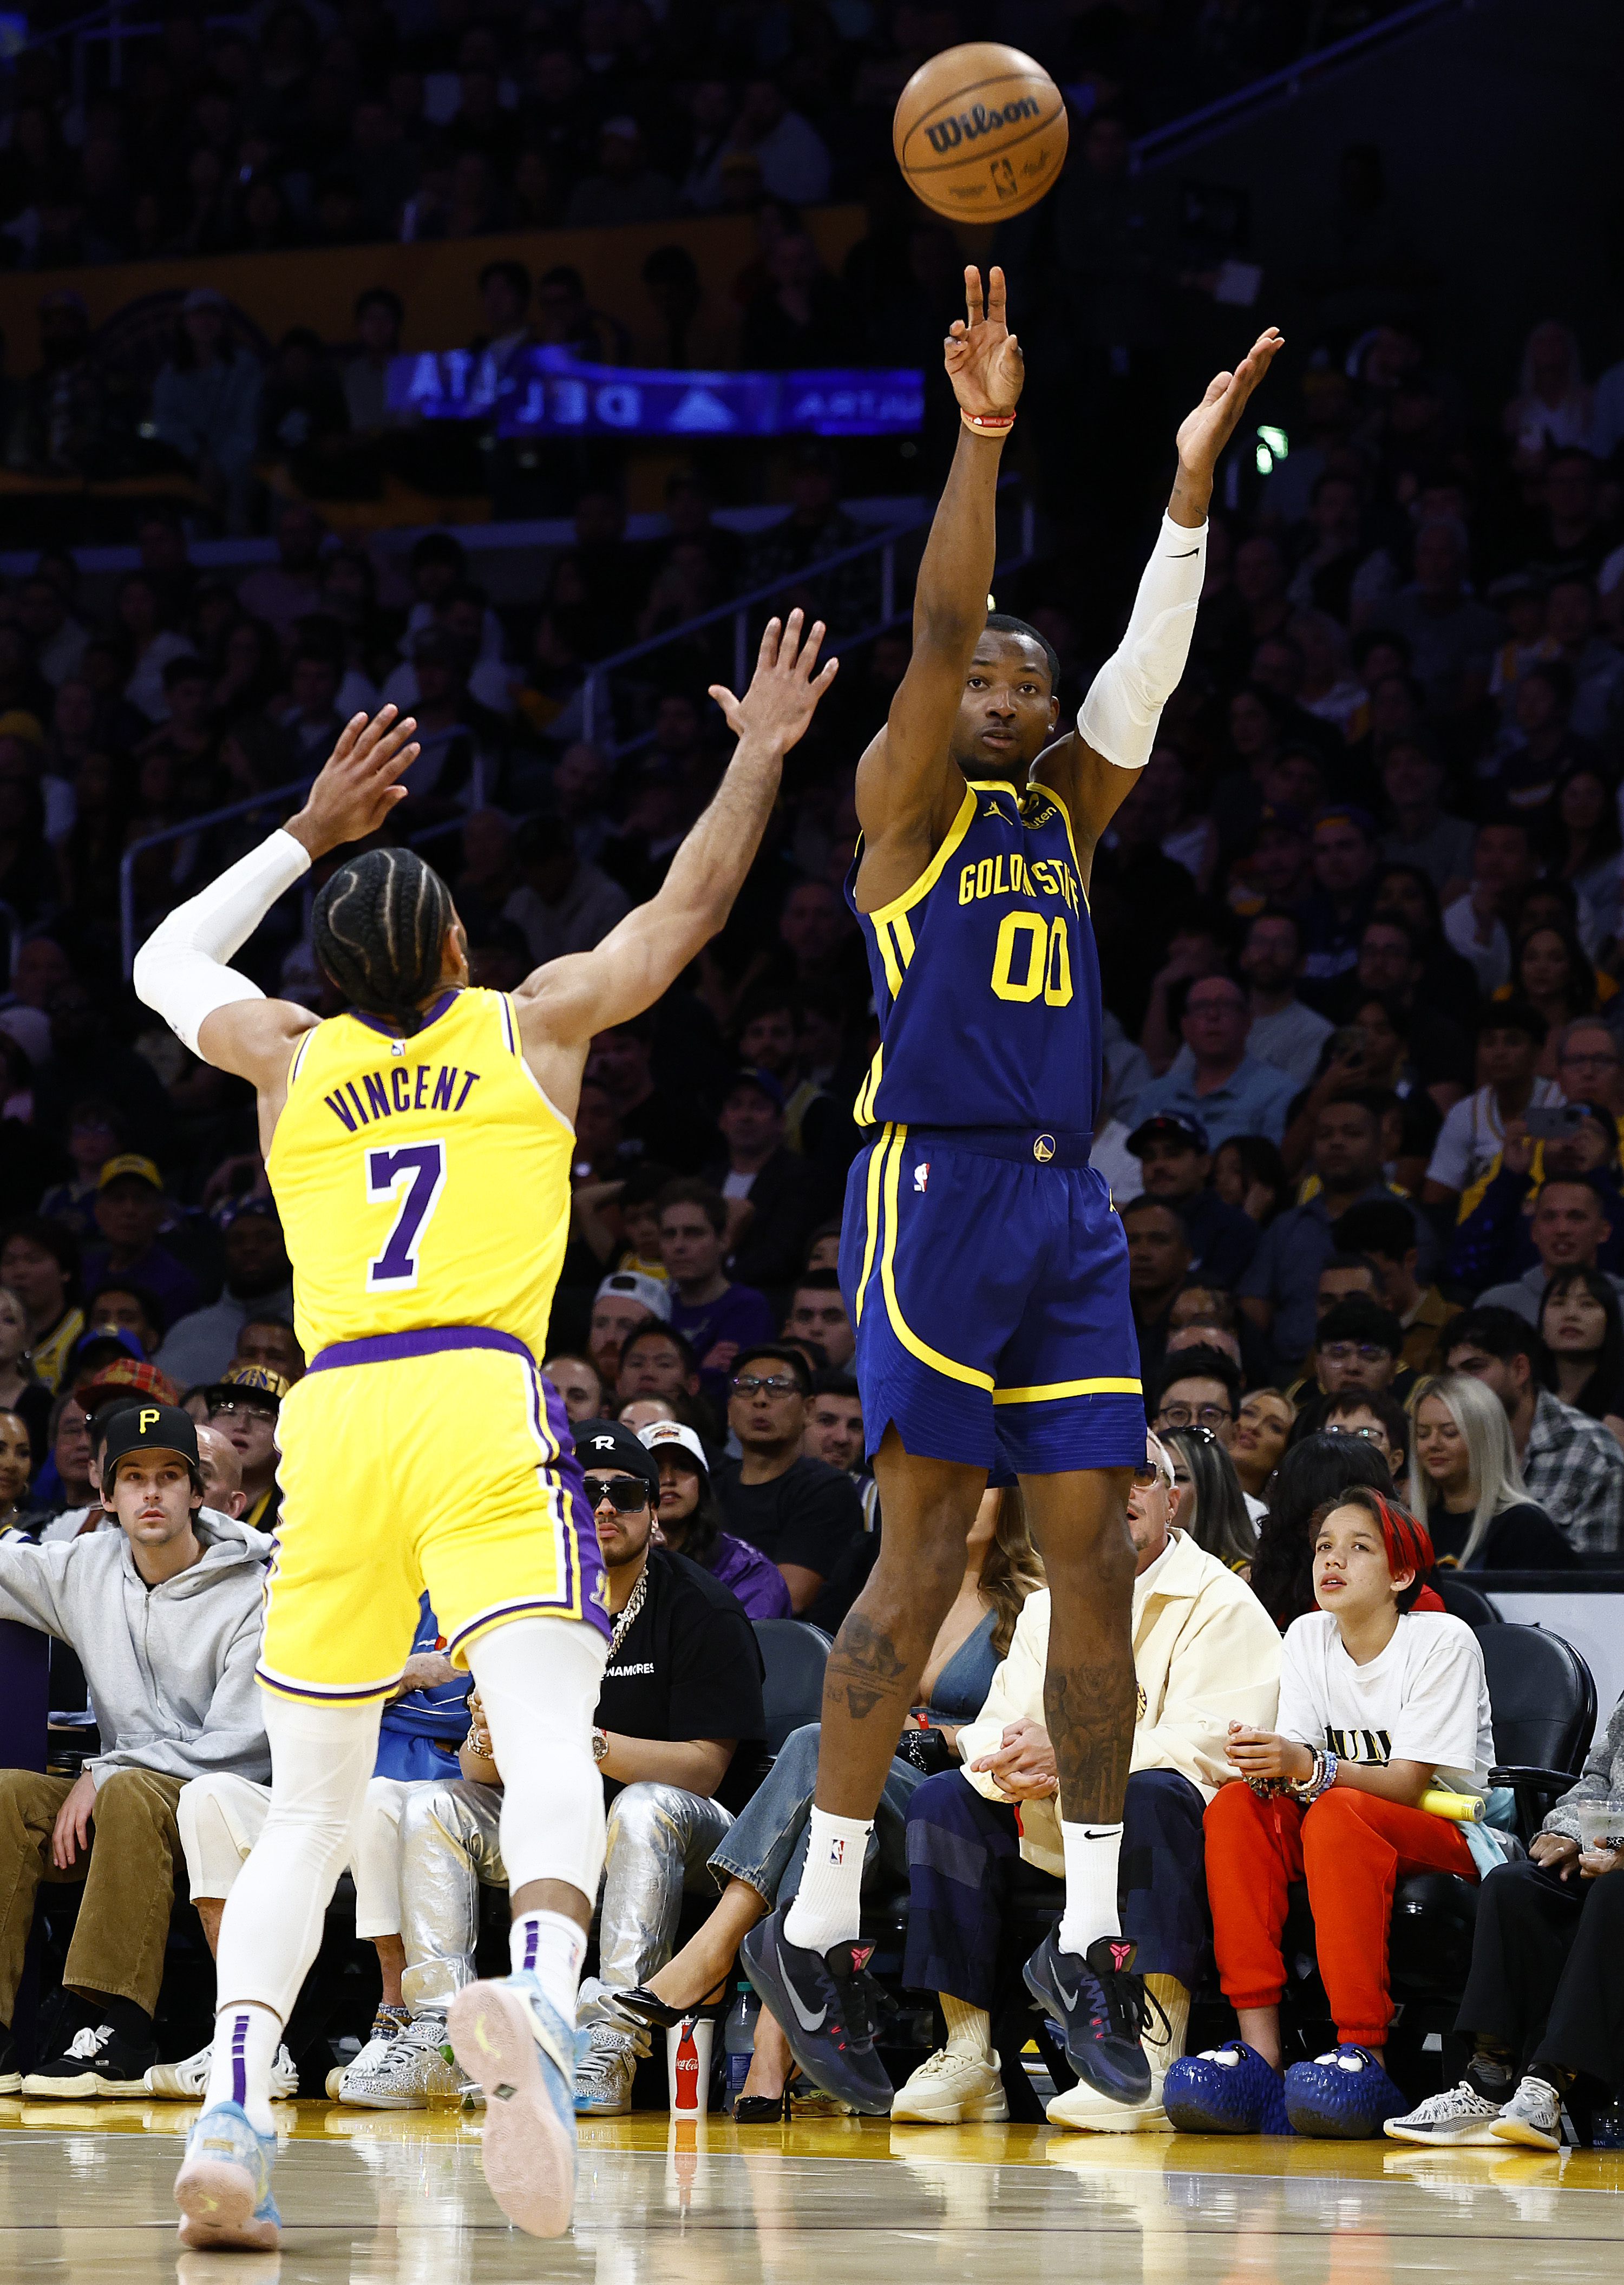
(1119, 716)
(180, 970)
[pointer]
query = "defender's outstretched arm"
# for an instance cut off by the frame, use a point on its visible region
(180, 971)
(1093, 765)
(907, 787)
(561, 1005)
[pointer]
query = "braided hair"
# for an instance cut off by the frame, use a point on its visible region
(377, 931)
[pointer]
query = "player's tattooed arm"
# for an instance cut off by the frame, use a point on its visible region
(909, 787)
(866, 1670)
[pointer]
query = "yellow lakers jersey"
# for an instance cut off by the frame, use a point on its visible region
(421, 1182)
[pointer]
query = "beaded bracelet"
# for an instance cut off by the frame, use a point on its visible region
(987, 424)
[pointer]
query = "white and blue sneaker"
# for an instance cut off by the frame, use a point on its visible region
(223, 2186)
(519, 2051)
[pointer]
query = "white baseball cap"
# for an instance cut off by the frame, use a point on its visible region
(653, 1293)
(661, 1433)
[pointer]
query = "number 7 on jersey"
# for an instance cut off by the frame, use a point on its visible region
(418, 1170)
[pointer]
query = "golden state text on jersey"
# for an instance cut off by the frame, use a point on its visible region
(986, 978)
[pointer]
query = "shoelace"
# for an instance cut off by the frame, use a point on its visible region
(1439, 2106)
(1128, 2007)
(87, 2043)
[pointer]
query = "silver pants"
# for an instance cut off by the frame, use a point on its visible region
(660, 1839)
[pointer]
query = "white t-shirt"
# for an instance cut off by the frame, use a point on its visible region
(1469, 1141)
(1425, 1699)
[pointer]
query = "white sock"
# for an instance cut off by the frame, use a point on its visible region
(244, 2048)
(554, 1947)
(969, 2029)
(1093, 1853)
(828, 1909)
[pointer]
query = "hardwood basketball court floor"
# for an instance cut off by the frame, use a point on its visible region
(396, 2198)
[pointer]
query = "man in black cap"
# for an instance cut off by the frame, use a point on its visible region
(163, 1614)
(680, 1741)
(1173, 1149)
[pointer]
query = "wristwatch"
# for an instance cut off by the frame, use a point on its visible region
(600, 1745)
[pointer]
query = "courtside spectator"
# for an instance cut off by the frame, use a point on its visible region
(258, 1277)
(1205, 1658)
(1198, 1387)
(1571, 1466)
(1317, 1469)
(1465, 1485)
(163, 1614)
(21, 1391)
(800, 1512)
(690, 1522)
(1258, 1440)
(1213, 1509)
(665, 1122)
(1330, 1796)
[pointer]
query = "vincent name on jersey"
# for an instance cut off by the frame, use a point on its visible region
(403, 1090)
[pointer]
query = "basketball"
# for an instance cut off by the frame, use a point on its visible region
(980, 131)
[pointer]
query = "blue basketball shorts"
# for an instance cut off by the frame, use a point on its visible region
(986, 1272)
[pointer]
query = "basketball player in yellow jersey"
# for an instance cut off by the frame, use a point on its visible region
(420, 1150)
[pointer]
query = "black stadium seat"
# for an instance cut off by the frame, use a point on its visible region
(1462, 1600)
(794, 1655)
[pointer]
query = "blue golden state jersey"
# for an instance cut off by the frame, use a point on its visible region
(986, 978)
(421, 1183)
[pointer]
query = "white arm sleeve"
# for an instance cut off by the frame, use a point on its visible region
(1119, 716)
(180, 970)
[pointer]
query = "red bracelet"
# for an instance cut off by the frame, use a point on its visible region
(987, 424)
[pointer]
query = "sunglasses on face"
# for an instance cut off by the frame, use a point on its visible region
(1146, 1474)
(625, 1494)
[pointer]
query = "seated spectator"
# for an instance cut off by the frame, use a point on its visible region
(679, 1743)
(206, 405)
(1375, 1417)
(563, 904)
(623, 1302)
(801, 1513)
(626, 188)
(1276, 1290)
(656, 1361)
(715, 1315)
(1332, 1796)
(1510, 1038)
(1176, 1165)
(1284, 1033)
(1225, 1091)
(131, 1209)
(665, 1122)
(1392, 966)
(258, 1277)
(791, 157)
(1197, 1388)
(272, 1342)
(39, 1262)
(1159, 1266)
(762, 1858)
(1357, 1344)
(1206, 1659)
(21, 1391)
(773, 1195)
(1581, 1327)
(95, 1132)
(690, 1523)
(1317, 1469)
(1467, 1488)
(125, 1307)
(1384, 1230)
(817, 1312)
(63, 1493)
(1571, 1466)
(1502, 862)
(578, 1384)
(835, 1422)
(1423, 834)
(1541, 2006)
(1345, 857)
(1570, 1228)
(168, 1661)
(1257, 1441)
(1213, 1511)
(244, 1405)
(1248, 1172)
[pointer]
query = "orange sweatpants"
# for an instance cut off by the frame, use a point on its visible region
(1351, 1848)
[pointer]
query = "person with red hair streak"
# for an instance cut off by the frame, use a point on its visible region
(1379, 1702)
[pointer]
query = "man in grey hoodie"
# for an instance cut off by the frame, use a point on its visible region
(164, 1616)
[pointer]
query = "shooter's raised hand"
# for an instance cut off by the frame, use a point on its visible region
(982, 356)
(359, 785)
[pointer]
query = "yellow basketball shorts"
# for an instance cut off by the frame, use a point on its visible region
(438, 1459)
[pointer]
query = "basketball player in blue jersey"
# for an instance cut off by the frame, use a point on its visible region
(985, 1268)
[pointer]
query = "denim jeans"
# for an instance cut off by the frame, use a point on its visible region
(768, 1843)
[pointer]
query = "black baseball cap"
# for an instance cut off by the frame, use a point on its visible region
(601, 1444)
(150, 1428)
(1176, 1126)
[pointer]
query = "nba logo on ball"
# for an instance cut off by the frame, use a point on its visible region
(980, 130)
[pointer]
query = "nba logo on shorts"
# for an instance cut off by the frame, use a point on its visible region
(921, 1176)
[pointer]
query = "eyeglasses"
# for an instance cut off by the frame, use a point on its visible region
(1194, 1416)
(1598, 1061)
(240, 1412)
(1348, 1352)
(625, 1494)
(778, 1384)
(1146, 1474)
(1342, 1428)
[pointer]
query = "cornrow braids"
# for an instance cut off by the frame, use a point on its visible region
(377, 930)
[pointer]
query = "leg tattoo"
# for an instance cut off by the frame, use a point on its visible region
(1090, 1716)
(864, 1664)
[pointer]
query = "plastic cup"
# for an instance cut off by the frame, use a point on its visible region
(687, 2066)
(1601, 1823)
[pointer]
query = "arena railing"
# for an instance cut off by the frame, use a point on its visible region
(596, 695)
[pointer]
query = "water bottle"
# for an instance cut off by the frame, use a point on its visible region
(739, 2041)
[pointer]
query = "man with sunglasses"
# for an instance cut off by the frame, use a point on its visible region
(802, 1513)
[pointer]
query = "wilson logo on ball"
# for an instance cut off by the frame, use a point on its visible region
(947, 134)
